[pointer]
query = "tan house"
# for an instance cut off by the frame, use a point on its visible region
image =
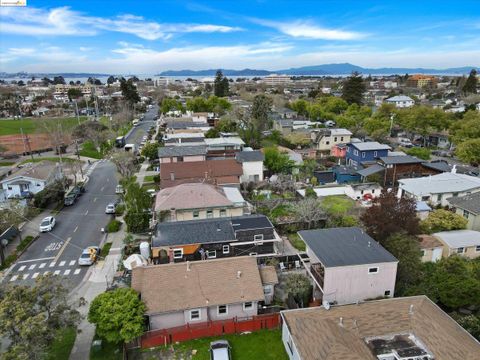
(408, 328)
(174, 154)
(431, 248)
(348, 266)
(197, 292)
(325, 139)
(460, 242)
(195, 201)
(468, 206)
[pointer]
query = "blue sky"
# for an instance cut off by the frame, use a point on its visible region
(150, 36)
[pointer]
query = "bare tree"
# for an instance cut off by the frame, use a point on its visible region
(308, 210)
(125, 162)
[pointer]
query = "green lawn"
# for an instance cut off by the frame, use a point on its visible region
(53, 159)
(265, 345)
(297, 243)
(33, 125)
(148, 178)
(62, 346)
(89, 150)
(337, 205)
(7, 163)
(108, 351)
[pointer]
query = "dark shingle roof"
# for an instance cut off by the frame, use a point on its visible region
(246, 156)
(404, 159)
(345, 246)
(251, 222)
(470, 202)
(169, 151)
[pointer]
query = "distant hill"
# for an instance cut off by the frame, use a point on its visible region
(326, 69)
(26, 75)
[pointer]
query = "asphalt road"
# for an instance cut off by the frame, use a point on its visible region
(135, 137)
(78, 226)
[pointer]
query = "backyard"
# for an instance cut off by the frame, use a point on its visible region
(30, 125)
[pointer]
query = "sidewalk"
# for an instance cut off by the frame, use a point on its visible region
(98, 277)
(144, 172)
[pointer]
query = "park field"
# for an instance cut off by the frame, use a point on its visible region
(33, 125)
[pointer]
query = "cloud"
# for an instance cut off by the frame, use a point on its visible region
(63, 21)
(308, 30)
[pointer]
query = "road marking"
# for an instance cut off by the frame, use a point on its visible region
(63, 248)
(14, 277)
(108, 179)
(25, 276)
(86, 213)
(72, 262)
(101, 189)
(53, 246)
(22, 268)
(94, 199)
(77, 271)
(27, 261)
(62, 263)
(46, 273)
(56, 272)
(42, 265)
(52, 264)
(76, 228)
(34, 276)
(66, 272)
(32, 266)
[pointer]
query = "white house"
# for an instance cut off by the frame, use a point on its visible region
(252, 165)
(31, 179)
(401, 101)
(325, 139)
(363, 191)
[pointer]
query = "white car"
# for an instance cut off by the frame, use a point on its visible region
(47, 224)
(119, 189)
(89, 256)
(110, 209)
(220, 350)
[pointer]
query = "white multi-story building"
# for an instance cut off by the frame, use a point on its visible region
(275, 79)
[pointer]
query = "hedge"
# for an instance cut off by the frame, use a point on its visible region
(113, 226)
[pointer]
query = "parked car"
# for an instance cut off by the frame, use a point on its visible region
(69, 199)
(89, 256)
(329, 123)
(47, 224)
(220, 350)
(110, 209)
(119, 189)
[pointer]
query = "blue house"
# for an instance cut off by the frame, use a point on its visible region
(346, 174)
(360, 152)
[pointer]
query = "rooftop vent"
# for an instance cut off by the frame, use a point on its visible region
(239, 274)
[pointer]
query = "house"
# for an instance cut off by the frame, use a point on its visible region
(363, 191)
(198, 292)
(406, 328)
(345, 174)
(327, 190)
(431, 248)
(360, 152)
(252, 165)
(401, 101)
(437, 189)
(439, 140)
(184, 138)
(172, 154)
(348, 266)
(31, 179)
(325, 139)
(252, 235)
(469, 207)
(461, 242)
(224, 147)
(339, 150)
(269, 277)
(196, 201)
(288, 126)
(218, 172)
(175, 126)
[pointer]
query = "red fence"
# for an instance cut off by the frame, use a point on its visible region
(210, 328)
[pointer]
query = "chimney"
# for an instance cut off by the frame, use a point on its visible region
(410, 311)
(172, 176)
(340, 322)
(454, 169)
(173, 214)
(239, 274)
(188, 265)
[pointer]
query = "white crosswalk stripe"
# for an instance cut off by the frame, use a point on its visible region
(14, 277)
(56, 272)
(46, 273)
(72, 262)
(62, 263)
(66, 272)
(34, 276)
(76, 272)
(21, 268)
(25, 276)
(42, 265)
(52, 264)
(32, 267)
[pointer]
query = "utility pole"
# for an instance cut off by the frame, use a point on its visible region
(26, 144)
(76, 111)
(78, 156)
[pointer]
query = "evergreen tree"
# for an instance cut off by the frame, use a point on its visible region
(470, 86)
(225, 86)
(218, 84)
(353, 89)
(129, 91)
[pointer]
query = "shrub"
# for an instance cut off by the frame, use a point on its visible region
(51, 194)
(137, 222)
(119, 210)
(156, 178)
(113, 226)
(24, 243)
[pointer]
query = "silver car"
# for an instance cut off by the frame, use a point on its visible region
(47, 224)
(110, 209)
(220, 350)
(89, 256)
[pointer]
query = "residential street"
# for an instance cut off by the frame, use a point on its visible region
(78, 226)
(135, 137)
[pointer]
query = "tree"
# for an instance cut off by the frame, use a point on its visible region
(150, 150)
(218, 85)
(471, 83)
(471, 323)
(469, 151)
(407, 250)
(138, 203)
(261, 107)
(169, 104)
(421, 153)
(110, 80)
(58, 80)
(277, 162)
(212, 133)
(308, 210)
(74, 93)
(118, 315)
(299, 287)
(129, 91)
(423, 120)
(466, 128)
(353, 89)
(31, 315)
(125, 162)
(443, 220)
(389, 215)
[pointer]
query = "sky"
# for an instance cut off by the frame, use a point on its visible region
(147, 37)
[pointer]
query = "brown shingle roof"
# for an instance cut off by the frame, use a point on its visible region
(429, 242)
(41, 170)
(317, 333)
(171, 287)
(268, 275)
(219, 171)
(191, 196)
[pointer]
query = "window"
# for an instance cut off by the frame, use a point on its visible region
(477, 248)
(196, 214)
(341, 138)
(335, 139)
(465, 214)
(38, 184)
(9, 188)
(209, 214)
(460, 250)
(253, 254)
(177, 253)
(373, 270)
(327, 142)
(211, 254)
(361, 192)
(195, 314)
(223, 213)
(355, 152)
(226, 249)
(423, 253)
(248, 305)
(387, 292)
(439, 197)
(373, 191)
(267, 290)
(363, 154)
(258, 237)
(455, 194)
(375, 153)
(222, 310)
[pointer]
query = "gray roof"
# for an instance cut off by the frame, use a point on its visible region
(185, 125)
(403, 159)
(345, 247)
(169, 151)
(459, 238)
(440, 166)
(247, 156)
(370, 145)
(470, 202)
(371, 170)
(440, 183)
(399, 98)
(207, 230)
